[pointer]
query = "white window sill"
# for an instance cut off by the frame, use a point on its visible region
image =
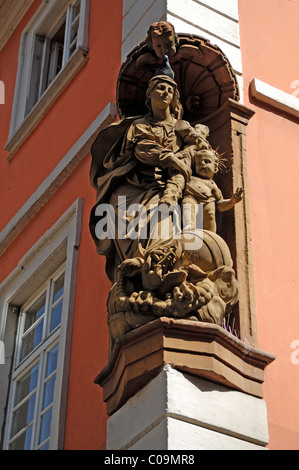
(274, 97)
(61, 81)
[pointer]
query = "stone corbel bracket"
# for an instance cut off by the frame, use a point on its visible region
(201, 349)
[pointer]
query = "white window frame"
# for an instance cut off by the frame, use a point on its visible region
(43, 22)
(56, 249)
(37, 355)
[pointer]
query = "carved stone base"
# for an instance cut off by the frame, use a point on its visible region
(202, 349)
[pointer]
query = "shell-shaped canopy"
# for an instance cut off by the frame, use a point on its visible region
(203, 73)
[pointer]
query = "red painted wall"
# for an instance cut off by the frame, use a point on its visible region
(269, 31)
(87, 95)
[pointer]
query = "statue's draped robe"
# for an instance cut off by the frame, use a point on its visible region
(130, 158)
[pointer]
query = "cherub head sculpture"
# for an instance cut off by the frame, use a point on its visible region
(162, 39)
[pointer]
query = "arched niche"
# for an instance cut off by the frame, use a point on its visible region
(203, 73)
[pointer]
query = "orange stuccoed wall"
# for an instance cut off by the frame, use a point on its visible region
(268, 29)
(88, 94)
(269, 53)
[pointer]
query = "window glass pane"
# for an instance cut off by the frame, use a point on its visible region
(45, 428)
(56, 54)
(58, 288)
(35, 311)
(52, 360)
(26, 384)
(75, 18)
(49, 391)
(76, 9)
(56, 315)
(50, 383)
(23, 441)
(34, 319)
(32, 339)
(36, 70)
(23, 415)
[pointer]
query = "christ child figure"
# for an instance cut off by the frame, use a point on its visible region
(202, 189)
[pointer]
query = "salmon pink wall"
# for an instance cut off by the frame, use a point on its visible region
(87, 95)
(269, 45)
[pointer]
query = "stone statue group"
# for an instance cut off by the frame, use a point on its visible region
(182, 268)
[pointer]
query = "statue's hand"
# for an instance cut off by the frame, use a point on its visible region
(238, 195)
(181, 167)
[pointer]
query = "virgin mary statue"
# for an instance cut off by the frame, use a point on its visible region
(138, 165)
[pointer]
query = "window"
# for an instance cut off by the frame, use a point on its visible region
(54, 48)
(36, 363)
(36, 318)
(51, 52)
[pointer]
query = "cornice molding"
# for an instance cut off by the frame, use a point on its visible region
(11, 12)
(274, 97)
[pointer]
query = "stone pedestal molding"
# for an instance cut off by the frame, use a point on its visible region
(183, 385)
